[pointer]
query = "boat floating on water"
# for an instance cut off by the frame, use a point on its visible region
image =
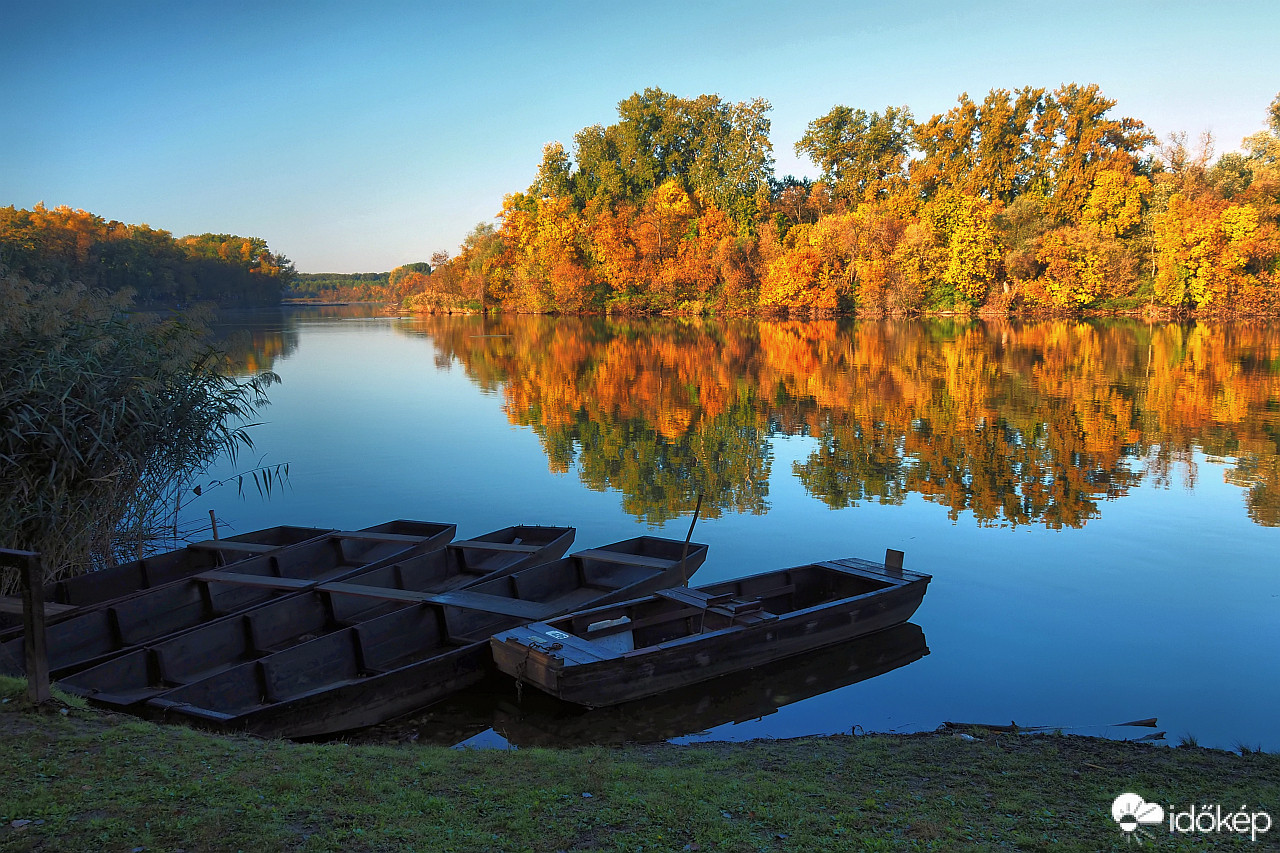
(213, 647)
(414, 655)
(531, 718)
(65, 597)
(681, 636)
(98, 632)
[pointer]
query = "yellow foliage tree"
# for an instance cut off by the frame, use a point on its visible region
(1115, 202)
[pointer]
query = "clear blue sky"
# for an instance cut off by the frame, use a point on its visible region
(359, 136)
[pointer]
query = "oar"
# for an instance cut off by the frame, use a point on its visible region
(684, 579)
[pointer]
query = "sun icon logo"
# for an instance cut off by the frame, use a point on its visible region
(1134, 814)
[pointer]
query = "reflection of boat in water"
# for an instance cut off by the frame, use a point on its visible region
(535, 719)
(676, 637)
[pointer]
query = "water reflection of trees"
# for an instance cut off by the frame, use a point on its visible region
(1014, 423)
(253, 341)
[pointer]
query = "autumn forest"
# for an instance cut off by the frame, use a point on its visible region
(1030, 199)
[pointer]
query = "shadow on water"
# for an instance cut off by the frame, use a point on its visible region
(528, 718)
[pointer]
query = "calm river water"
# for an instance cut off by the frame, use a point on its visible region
(1098, 503)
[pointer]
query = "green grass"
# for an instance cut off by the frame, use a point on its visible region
(87, 780)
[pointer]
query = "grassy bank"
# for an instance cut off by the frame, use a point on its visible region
(80, 779)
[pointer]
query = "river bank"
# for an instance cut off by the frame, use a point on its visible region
(80, 779)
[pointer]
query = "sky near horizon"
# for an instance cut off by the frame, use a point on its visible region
(355, 137)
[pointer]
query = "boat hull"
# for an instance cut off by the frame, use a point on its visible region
(586, 673)
(406, 660)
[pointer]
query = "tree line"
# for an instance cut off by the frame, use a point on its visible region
(1029, 199)
(47, 246)
(339, 287)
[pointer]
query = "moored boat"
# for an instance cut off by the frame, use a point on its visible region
(738, 697)
(101, 631)
(413, 656)
(531, 718)
(675, 637)
(175, 660)
(66, 596)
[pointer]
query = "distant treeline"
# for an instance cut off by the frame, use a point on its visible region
(49, 246)
(1032, 199)
(340, 287)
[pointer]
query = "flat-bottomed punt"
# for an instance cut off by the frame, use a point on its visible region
(99, 632)
(681, 636)
(64, 597)
(536, 719)
(413, 656)
(213, 647)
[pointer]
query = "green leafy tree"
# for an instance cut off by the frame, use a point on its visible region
(862, 155)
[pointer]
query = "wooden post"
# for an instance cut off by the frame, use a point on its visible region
(34, 641)
(213, 522)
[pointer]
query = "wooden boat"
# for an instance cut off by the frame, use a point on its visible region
(681, 636)
(65, 596)
(414, 656)
(734, 698)
(99, 632)
(175, 660)
(532, 718)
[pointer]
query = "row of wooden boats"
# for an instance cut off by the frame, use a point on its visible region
(304, 632)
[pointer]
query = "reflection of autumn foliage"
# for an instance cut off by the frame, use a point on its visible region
(252, 351)
(1016, 424)
(660, 412)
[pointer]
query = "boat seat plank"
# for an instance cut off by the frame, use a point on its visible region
(461, 598)
(625, 559)
(514, 548)
(261, 581)
(495, 604)
(228, 545)
(384, 592)
(692, 597)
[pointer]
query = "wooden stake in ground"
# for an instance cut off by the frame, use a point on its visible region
(36, 653)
